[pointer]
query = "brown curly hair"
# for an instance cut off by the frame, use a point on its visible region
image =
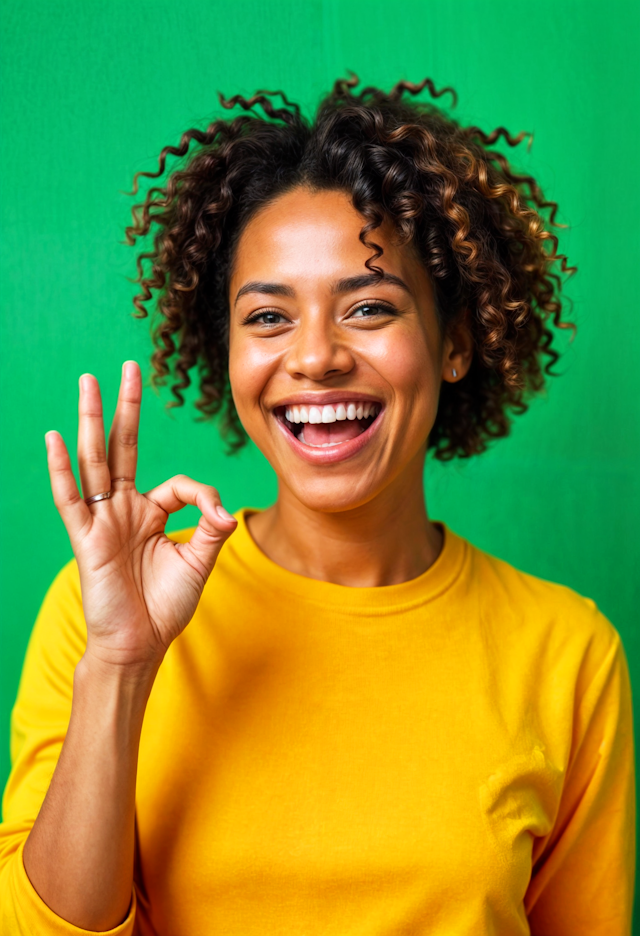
(481, 230)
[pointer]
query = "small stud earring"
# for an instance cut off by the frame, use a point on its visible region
(454, 372)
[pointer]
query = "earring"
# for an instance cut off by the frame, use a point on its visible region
(454, 372)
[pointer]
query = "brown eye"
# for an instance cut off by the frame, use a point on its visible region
(371, 309)
(266, 318)
(270, 318)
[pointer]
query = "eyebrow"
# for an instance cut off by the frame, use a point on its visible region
(269, 289)
(349, 284)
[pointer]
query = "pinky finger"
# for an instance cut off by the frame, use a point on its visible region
(72, 509)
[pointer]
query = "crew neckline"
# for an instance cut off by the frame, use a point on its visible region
(382, 599)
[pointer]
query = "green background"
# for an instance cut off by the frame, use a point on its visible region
(92, 91)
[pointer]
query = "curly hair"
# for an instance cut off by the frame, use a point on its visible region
(481, 229)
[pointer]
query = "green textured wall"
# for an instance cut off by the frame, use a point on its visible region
(92, 91)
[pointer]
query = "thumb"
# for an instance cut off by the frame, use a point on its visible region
(208, 539)
(215, 525)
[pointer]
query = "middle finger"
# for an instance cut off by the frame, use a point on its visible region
(123, 437)
(92, 456)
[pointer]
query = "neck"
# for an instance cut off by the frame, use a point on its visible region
(383, 542)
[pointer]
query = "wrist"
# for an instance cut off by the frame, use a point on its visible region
(117, 689)
(116, 666)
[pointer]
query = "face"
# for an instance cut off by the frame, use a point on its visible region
(335, 373)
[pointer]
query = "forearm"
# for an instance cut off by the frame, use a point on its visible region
(79, 854)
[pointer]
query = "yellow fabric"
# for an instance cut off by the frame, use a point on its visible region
(452, 755)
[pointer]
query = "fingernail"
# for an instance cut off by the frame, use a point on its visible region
(84, 381)
(222, 513)
(129, 368)
(49, 436)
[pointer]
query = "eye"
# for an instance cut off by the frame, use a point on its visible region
(372, 309)
(266, 318)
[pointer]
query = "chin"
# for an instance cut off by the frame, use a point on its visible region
(335, 493)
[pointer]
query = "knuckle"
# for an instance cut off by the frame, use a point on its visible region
(62, 501)
(92, 457)
(128, 439)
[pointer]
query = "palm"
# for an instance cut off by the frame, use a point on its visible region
(139, 588)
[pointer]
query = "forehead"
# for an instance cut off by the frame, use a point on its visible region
(314, 235)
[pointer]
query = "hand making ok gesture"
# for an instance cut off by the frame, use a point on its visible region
(139, 588)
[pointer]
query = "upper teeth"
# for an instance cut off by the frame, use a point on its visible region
(331, 412)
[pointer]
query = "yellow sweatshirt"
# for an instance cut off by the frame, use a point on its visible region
(451, 756)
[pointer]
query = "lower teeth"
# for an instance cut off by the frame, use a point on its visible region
(322, 445)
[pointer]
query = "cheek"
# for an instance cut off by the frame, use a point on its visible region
(407, 362)
(251, 363)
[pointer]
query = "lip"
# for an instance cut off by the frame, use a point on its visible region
(323, 397)
(335, 453)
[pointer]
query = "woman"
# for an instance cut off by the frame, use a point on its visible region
(368, 726)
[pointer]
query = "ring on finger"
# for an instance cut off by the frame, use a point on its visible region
(97, 497)
(106, 494)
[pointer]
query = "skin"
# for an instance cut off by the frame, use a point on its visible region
(360, 520)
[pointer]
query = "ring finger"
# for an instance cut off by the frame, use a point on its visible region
(92, 456)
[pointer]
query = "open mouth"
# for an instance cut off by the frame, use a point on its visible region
(328, 425)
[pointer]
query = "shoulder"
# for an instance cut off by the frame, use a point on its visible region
(66, 586)
(60, 631)
(535, 596)
(549, 618)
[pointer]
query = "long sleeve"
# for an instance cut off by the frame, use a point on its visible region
(38, 726)
(583, 874)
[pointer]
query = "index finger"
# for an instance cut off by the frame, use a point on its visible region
(123, 435)
(75, 514)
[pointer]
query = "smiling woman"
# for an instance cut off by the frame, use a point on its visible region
(336, 715)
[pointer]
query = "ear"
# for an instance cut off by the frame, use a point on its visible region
(457, 350)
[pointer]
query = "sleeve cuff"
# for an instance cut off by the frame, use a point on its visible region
(32, 915)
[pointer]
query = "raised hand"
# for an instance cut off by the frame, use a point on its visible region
(139, 588)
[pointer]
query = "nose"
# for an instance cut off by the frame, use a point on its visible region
(318, 351)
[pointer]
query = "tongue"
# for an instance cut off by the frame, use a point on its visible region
(331, 433)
